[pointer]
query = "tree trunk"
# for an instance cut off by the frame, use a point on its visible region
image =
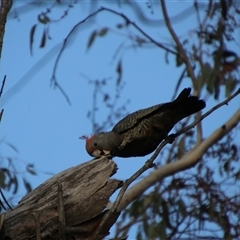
(70, 205)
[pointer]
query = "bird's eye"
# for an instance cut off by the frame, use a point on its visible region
(95, 144)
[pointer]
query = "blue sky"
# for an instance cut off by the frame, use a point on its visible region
(37, 119)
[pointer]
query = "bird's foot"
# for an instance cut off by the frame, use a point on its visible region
(107, 154)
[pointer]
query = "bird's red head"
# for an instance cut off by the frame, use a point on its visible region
(93, 148)
(89, 143)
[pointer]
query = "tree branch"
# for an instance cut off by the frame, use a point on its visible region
(187, 161)
(123, 200)
(5, 6)
(225, 102)
(64, 45)
(65, 42)
(3, 83)
(183, 55)
(181, 51)
(149, 164)
(140, 30)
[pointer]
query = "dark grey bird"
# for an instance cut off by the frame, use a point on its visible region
(139, 133)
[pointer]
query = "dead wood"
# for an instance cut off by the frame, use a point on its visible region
(70, 205)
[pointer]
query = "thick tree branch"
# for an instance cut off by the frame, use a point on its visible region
(187, 161)
(65, 201)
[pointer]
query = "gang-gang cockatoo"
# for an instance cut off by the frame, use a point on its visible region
(139, 133)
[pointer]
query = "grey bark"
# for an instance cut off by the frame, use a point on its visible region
(70, 205)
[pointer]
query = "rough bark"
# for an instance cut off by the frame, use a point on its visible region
(70, 205)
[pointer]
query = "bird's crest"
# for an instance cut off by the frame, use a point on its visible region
(84, 137)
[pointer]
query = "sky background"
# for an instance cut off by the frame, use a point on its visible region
(39, 122)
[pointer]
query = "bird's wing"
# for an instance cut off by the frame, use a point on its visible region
(134, 118)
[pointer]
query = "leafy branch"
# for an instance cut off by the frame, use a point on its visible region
(179, 46)
(75, 27)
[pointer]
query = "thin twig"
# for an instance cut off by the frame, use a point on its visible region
(56, 84)
(3, 83)
(1, 114)
(125, 228)
(149, 163)
(2, 195)
(225, 102)
(178, 83)
(180, 48)
(199, 129)
(140, 30)
(65, 41)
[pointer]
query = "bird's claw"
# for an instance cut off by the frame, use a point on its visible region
(105, 153)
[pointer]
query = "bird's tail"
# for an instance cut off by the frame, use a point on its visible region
(185, 104)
